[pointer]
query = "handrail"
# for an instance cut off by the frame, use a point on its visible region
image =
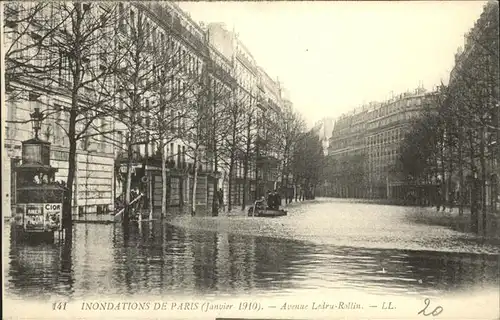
(117, 215)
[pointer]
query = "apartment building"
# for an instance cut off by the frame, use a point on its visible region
(269, 163)
(188, 58)
(260, 96)
(365, 145)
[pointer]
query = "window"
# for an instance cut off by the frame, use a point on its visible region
(183, 56)
(102, 137)
(63, 67)
(119, 139)
(179, 123)
(183, 156)
(132, 20)
(146, 118)
(172, 123)
(121, 11)
(171, 83)
(178, 156)
(154, 37)
(59, 134)
(147, 34)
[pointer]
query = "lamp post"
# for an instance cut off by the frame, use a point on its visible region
(36, 121)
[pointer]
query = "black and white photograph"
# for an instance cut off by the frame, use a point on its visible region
(250, 159)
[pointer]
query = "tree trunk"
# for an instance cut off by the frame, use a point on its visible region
(72, 156)
(245, 164)
(450, 190)
(245, 184)
(461, 177)
(230, 182)
(482, 159)
(231, 163)
(67, 217)
(473, 191)
(443, 185)
(163, 180)
(195, 182)
(215, 198)
(284, 175)
(128, 183)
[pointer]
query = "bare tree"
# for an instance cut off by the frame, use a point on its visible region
(249, 138)
(151, 86)
(233, 139)
(220, 95)
(206, 123)
(195, 138)
(75, 36)
(290, 127)
(25, 60)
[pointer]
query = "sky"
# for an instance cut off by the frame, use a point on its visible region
(334, 56)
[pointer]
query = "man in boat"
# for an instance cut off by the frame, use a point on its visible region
(261, 204)
(277, 200)
(270, 200)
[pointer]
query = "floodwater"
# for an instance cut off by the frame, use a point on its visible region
(322, 244)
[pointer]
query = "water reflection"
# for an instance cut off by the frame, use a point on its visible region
(160, 259)
(40, 271)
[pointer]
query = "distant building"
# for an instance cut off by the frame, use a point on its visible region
(324, 128)
(365, 145)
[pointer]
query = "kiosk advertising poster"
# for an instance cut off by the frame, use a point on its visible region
(53, 214)
(19, 216)
(33, 219)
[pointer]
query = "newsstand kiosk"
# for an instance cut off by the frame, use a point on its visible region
(38, 215)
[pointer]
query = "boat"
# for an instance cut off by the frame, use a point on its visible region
(255, 211)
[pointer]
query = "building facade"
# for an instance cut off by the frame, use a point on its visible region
(324, 128)
(365, 146)
(259, 98)
(189, 57)
(50, 92)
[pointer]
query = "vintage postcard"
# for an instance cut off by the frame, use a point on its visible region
(250, 160)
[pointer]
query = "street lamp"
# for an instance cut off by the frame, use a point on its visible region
(36, 121)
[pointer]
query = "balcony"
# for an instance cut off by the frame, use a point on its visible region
(187, 35)
(163, 17)
(262, 104)
(247, 63)
(260, 86)
(223, 75)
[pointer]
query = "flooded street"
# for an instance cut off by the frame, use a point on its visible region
(320, 245)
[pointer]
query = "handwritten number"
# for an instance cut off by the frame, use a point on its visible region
(437, 311)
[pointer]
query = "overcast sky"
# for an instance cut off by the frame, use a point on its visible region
(334, 56)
